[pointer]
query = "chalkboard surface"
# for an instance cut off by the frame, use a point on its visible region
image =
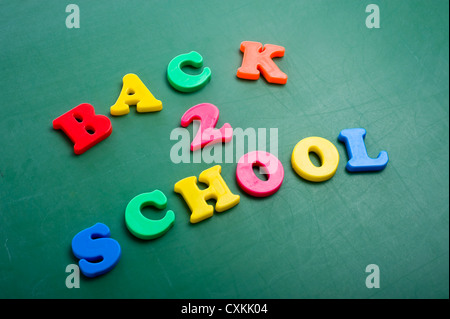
(308, 240)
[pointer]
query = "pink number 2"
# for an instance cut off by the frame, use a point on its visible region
(208, 114)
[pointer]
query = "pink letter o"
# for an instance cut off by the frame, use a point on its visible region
(250, 183)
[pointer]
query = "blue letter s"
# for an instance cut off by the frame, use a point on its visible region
(98, 254)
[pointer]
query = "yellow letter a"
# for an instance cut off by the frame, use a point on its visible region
(134, 92)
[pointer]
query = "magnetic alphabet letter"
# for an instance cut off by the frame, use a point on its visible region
(83, 127)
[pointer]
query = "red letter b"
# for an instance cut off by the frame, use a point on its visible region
(83, 127)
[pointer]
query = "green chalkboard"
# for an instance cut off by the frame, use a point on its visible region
(308, 240)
